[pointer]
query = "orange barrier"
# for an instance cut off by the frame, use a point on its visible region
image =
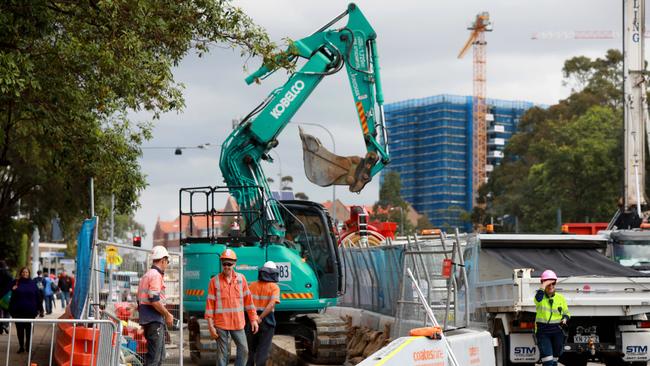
(86, 344)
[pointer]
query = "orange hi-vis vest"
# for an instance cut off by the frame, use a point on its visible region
(227, 302)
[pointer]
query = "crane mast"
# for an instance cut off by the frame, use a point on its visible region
(635, 115)
(479, 108)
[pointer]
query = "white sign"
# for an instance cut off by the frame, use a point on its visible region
(285, 270)
(52, 255)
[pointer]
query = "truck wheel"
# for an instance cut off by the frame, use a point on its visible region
(501, 354)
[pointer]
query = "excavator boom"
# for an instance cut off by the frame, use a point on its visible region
(325, 52)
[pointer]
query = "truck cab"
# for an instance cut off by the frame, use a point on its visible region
(631, 248)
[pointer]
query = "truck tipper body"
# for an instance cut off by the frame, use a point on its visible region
(607, 301)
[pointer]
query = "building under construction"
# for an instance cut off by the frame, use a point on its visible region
(431, 147)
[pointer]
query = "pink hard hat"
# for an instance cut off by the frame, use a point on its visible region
(548, 275)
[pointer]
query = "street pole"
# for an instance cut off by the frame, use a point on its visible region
(35, 251)
(279, 171)
(333, 213)
(401, 220)
(92, 198)
(112, 239)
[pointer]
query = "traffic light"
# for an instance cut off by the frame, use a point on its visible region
(137, 241)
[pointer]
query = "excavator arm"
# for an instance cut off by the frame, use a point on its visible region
(325, 52)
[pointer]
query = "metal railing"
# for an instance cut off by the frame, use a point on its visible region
(101, 348)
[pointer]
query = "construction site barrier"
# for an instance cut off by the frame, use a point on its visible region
(120, 268)
(373, 276)
(376, 280)
(65, 342)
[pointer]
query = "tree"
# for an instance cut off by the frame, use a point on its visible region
(389, 192)
(286, 182)
(424, 223)
(391, 206)
(566, 156)
(70, 72)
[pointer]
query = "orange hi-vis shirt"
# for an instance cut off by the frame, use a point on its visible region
(227, 301)
(151, 289)
(263, 293)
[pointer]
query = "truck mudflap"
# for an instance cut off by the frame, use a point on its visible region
(523, 348)
(471, 348)
(635, 346)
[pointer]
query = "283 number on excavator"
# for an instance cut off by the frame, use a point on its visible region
(285, 270)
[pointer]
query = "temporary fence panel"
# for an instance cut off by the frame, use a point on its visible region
(425, 257)
(63, 342)
(120, 268)
(372, 277)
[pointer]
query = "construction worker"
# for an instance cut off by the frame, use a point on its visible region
(266, 294)
(228, 298)
(552, 316)
(151, 306)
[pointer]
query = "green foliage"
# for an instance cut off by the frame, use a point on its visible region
(389, 192)
(12, 232)
(22, 251)
(71, 72)
(424, 223)
(566, 156)
(391, 206)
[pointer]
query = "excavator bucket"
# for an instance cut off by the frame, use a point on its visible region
(325, 168)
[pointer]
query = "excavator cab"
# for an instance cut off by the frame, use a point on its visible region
(310, 233)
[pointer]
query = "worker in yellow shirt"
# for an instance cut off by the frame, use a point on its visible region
(552, 315)
(266, 294)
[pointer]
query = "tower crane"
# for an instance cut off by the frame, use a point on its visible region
(476, 39)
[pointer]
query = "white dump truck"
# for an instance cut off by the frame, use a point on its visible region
(608, 302)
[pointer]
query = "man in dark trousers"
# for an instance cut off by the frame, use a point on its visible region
(65, 285)
(40, 284)
(266, 294)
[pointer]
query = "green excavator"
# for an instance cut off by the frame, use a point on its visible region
(298, 235)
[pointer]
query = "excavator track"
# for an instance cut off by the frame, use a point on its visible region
(203, 349)
(321, 339)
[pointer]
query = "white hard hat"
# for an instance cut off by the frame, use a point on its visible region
(159, 252)
(270, 264)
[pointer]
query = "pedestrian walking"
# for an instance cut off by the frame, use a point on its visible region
(266, 293)
(40, 284)
(151, 306)
(552, 315)
(24, 305)
(65, 285)
(228, 298)
(6, 279)
(49, 288)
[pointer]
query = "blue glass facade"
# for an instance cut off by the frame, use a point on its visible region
(430, 141)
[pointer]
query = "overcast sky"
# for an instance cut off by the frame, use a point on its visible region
(418, 42)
